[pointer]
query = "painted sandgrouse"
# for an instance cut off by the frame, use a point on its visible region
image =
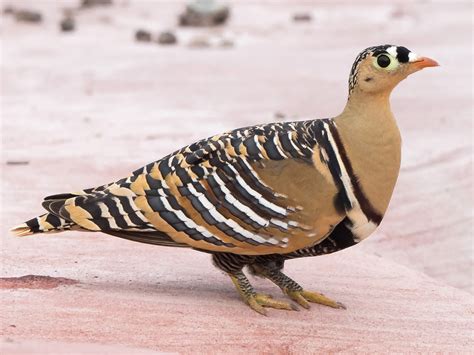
(257, 196)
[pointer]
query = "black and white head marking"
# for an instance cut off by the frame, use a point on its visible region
(402, 54)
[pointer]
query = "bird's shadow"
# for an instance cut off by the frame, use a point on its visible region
(184, 287)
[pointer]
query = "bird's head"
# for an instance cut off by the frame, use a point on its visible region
(379, 69)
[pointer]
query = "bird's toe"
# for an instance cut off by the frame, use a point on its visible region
(303, 298)
(259, 301)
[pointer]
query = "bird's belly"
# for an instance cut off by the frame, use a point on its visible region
(309, 189)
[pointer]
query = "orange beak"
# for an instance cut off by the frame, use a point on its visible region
(424, 62)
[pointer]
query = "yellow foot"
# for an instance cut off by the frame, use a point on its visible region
(304, 297)
(259, 301)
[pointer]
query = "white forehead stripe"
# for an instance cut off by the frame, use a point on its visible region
(413, 57)
(392, 51)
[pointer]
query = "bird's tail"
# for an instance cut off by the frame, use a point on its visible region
(46, 223)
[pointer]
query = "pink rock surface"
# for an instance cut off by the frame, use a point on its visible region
(34, 281)
(179, 303)
(88, 107)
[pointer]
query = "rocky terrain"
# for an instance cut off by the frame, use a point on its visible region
(89, 105)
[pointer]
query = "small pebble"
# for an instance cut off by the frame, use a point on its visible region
(302, 17)
(68, 24)
(199, 42)
(167, 37)
(226, 43)
(91, 3)
(279, 115)
(17, 162)
(201, 13)
(28, 16)
(8, 10)
(142, 36)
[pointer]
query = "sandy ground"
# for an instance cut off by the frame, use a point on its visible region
(88, 107)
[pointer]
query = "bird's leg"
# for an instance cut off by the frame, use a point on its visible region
(256, 301)
(232, 264)
(291, 287)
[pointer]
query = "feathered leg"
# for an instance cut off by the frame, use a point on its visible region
(232, 264)
(270, 267)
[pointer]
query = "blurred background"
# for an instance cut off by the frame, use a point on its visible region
(93, 89)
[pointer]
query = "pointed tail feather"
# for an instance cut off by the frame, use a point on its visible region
(46, 223)
(22, 230)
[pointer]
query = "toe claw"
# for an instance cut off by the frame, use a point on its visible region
(252, 302)
(298, 298)
(294, 307)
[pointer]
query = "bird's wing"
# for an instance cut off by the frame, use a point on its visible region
(207, 195)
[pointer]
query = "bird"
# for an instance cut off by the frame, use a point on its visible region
(257, 196)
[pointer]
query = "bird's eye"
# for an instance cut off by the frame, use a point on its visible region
(386, 61)
(383, 61)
